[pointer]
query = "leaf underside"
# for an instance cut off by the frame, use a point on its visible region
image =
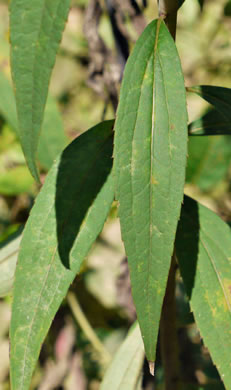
(124, 371)
(35, 32)
(67, 217)
(149, 168)
(203, 247)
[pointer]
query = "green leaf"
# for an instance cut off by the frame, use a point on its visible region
(227, 9)
(203, 248)
(68, 215)
(219, 97)
(211, 123)
(52, 140)
(125, 369)
(209, 160)
(150, 158)
(8, 259)
(35, 32)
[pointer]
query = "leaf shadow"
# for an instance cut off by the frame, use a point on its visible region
(187, 243)
(82, 172)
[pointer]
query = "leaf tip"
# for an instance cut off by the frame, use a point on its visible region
(151, 368)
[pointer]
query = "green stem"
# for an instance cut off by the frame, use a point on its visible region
(87, 328)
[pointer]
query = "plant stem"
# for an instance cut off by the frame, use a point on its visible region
(168, 334)
(168, 11)
(87, 328)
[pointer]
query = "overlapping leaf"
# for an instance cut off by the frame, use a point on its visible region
(203, 248)
(125, 369)
(67, 217)
(52, 140)
(219, 97)
(212, 123)
(150, 158)
(36, 28)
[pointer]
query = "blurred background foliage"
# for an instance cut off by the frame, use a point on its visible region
(84, 90)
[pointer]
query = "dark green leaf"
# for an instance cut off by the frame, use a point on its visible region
(35, 32)
(212, 123)
(227, 9)
(67, 216)
(125, 369)
(150, 158)
(203, 248)
(219, 97)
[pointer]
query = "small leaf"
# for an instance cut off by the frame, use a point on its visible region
(219, 97)
(125, 369)
(150, 158)
(203, 247)
(35, 32)
(52, 140)
(8, 258)
(68, 215)
(212, 123)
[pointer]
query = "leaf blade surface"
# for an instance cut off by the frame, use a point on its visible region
(124, 371)
(150, 157)
(68, 215)
(203, 248)
(36, 29)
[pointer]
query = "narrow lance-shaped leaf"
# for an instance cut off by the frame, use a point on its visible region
(150, 158)
(203, 248)
(52, 140)
(125, 369)
(36, 28)
(219, 97)
(211, 123)
(67, 216)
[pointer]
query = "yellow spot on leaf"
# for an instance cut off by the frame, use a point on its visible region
(154, 181)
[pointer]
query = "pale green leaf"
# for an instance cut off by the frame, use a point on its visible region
(203, 248)
(8, 259)
(67, 216)
(35, 32)
(125, 369)
(150, 158)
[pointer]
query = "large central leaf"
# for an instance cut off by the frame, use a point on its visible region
(150, 158)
